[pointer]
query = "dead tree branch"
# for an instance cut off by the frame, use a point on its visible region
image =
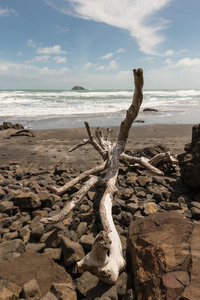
(82, 176)
(105, 260)
(76, 199)
(98, 262)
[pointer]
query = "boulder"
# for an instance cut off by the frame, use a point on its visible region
(64, 291)
(6, 206)
(11, 249)
(25, 233)
(49, 296)
(9, 290)
(10, 235)
(72, 252)
(163, 253)
(92, 288)
(81, 229)
(190, 161)
(54, 254)
(123, 284)
(27, 200)
(34, 266)
(86, 282)
(32, 247)
(86, 241)
(31, 290)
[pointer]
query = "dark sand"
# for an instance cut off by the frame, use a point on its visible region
(50, 147)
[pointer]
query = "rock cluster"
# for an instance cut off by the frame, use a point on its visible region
(9, 125)
(39, 262)
(190, 161)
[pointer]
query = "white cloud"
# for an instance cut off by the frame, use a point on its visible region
(172, 77)
(51, 50)
(6, 12)
(113, 65)
(106, 56)
(45, 58)
(31, 43)
(169, 61)
(182, 51)
(53, 72)
(109, 55)
(27, 76)
(19, 53)
(188, 62)
(120, 50)
(4, 68)
(169, 52)
(100, 68)
(131, 15)
(42, 58)
(60, 59)
(172, 52)
(87, 66)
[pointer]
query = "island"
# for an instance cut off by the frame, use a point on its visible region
(79, 88)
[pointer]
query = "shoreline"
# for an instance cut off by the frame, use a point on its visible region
(50, 147)
(105, 119)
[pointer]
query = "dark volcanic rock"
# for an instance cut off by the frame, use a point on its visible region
(92, 288)
(34, 266)
(9, 290)
(27, 200)
(190, 161)
(163, 253)
(150, 109)
(11, 249)
(31, 290)
(72, 252)
(23, 132)
(64, 291)
(8, 125)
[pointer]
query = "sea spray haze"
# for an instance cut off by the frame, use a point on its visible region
(42, 109)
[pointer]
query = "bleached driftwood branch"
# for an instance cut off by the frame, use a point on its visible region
(76, 199)
(107, 266)
(82, 176)
(106, 259)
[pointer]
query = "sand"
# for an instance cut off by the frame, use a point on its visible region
(50, 147)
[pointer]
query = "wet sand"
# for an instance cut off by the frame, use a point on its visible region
(50, 147)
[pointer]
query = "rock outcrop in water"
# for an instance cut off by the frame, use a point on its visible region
(78, 88)
(147, 109)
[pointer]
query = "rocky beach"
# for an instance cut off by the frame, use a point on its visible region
(157, 217)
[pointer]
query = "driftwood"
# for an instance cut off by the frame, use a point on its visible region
(106, 259)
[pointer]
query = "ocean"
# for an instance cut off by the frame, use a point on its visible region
(51, 109)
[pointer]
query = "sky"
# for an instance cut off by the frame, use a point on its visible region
(57, 44)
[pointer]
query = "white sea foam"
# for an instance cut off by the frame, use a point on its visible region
(32, 106)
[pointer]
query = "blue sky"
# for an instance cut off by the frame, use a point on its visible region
(56, 44)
